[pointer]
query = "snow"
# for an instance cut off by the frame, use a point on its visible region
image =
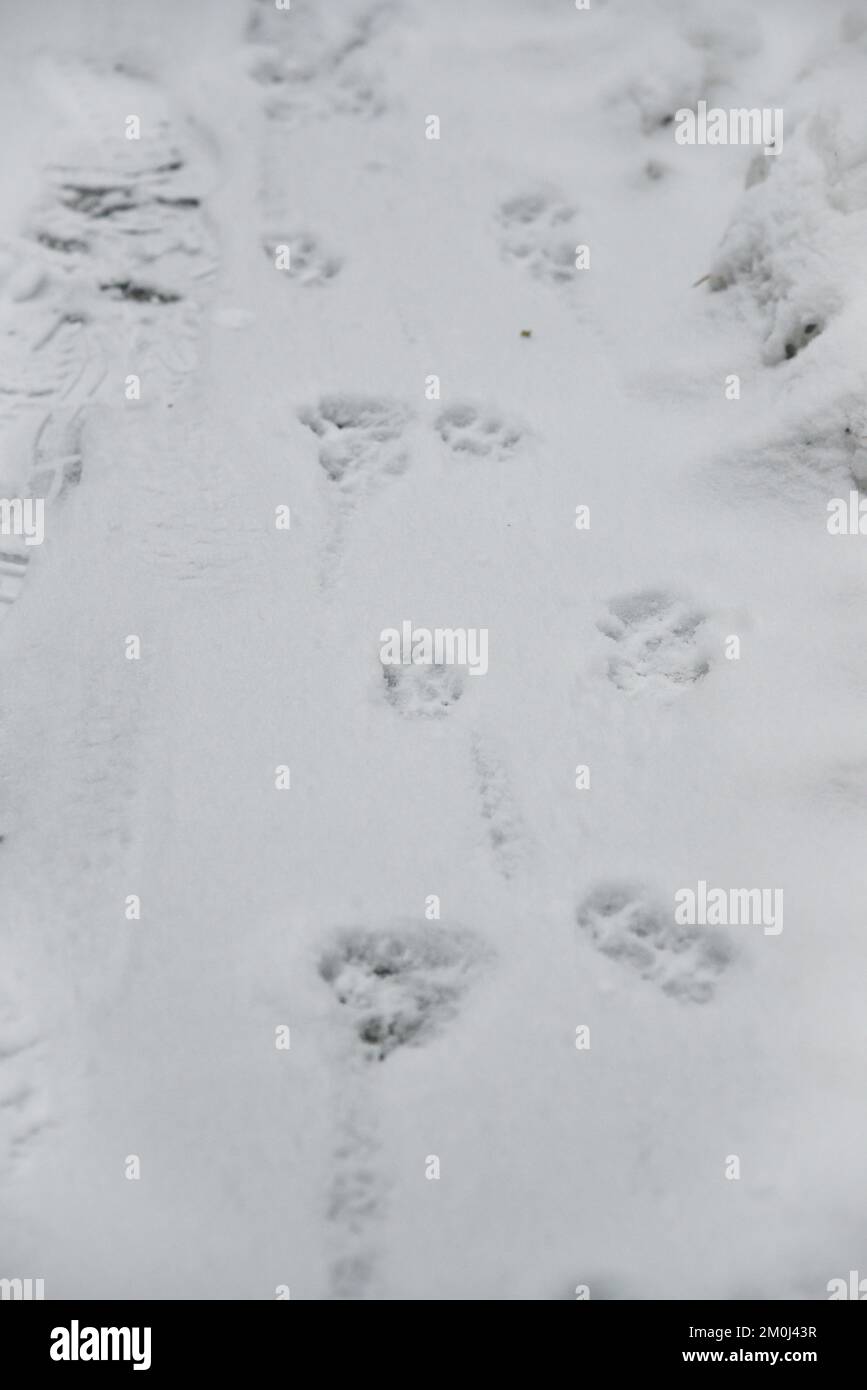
(263, 388)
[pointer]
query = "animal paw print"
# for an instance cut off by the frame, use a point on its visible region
(628, 926)
(504, 824)
(356, 1193)
(537, 230)
(400, 983)
(351, 1276)
(469, 430)
(359, 93)
(423, 691)
(658, 641)
(310, 264)
(361, 438)
(317, 65)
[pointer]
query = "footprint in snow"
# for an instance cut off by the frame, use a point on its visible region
(400, 984)
(316, 63)
(418, 691)
(470, 431)
(504, 826)
(360, 439)
(310, 264)
(658, 639)
(628, 925)
(361, 447)
(538, 231)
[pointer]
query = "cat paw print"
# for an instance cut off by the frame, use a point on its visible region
(423, 691)
(400, 984)
(469, 430)
(302, 257)
(627, 924)
(537, 230)
(360, 438)
(658, 641)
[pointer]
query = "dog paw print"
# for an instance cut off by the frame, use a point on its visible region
(658, 641)
(419, 691)
(468, 430)
(322, 64)
(303, 259)
(402, 983)
(360, 438)
(537, 230)
(629, 926)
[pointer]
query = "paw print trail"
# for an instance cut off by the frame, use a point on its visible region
(422, 693)
(398, 987)
(409, 257)
(312, 66)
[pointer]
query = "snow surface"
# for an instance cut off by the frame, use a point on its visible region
(261, 388)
